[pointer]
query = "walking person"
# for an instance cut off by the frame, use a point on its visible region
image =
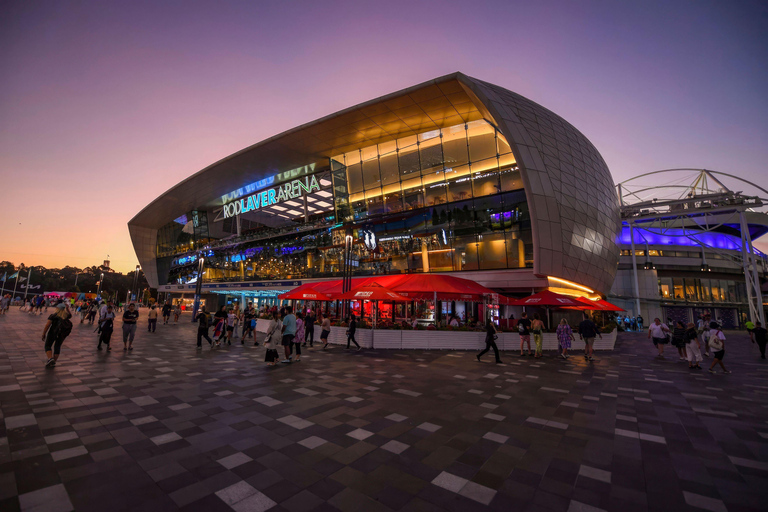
(490, 342)
(176, 313)
(678, 340)
(717, 345)
(351, 332)
(55, 332)
(219, 324)
(658, 332)
(703, 330)
(309, 328)
(106, 327)
(537, 328)
(130, 317)
(564, 337)
(288, 330)
(152, 319)
(274, 332)
(587, 332)
(325, 330)
(231, 321)
(202, 329)
(692, 347)
(166, 313)
(760, 333)
(523, 327)
(248, 315)
(299, 336)
(92, 308)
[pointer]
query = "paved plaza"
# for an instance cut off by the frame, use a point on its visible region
(165, 427)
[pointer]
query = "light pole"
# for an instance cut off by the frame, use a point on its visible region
(136, 281)
(198, 287)
(101, 279)
(346, 282)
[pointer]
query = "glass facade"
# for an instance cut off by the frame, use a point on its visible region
(183, 234)
(689, 289)
(445, 200)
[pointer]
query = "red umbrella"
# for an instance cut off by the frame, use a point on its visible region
(591, 304)
(304, 294)
(608, 306)
(548, 298)
(373, 292)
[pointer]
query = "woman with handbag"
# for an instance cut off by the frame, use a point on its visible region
(490, 341)
(273, 333)
(717, 344)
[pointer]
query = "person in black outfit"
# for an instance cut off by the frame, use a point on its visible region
(219, 317)
(247, 317)
(760, 333)
(107, 327)
(202, 328)
(351, 333)
(309, 328)
(490, 337)
(166, 313)
(55, 332)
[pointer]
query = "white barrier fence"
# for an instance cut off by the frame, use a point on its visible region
(442, 340)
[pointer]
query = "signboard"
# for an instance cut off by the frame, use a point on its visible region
(291, 190)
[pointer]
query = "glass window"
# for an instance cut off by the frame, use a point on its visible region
(482, 140)
(715, 287)
(465, 253)
(374, 201)
(515, 249)
(665, 287)
(455, 146)
(408, 156)
(435, 194)
(705, 295)
(678, 288)
(486, 181)
(691, 290)
(431, 153)
(413, 194)
(388, 163)
(459, 184)
(371, 178)
(492, 251)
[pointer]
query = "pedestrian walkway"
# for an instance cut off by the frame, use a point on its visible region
(166, 427)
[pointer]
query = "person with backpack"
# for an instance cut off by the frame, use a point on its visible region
(55, 332)
(717, 345)
(202, 328)
(106, 327)
(166, 313)
(692, 347)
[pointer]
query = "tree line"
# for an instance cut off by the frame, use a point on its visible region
(73, 279)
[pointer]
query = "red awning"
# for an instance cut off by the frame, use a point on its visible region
(608, 306)
(591, 304)
(412, 287)
(373, 292)
(308, 293)
(549, 299)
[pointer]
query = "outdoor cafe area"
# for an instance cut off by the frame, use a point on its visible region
(387, 306)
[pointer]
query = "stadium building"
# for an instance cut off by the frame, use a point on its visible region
(454, 175)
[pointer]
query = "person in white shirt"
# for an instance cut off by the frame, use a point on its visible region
(658, 332)
(717, 345)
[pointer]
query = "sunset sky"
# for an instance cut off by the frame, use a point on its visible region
(105, 105)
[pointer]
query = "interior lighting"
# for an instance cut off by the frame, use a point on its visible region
(570, 283)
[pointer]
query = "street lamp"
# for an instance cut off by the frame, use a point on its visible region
(101, 280)
(136, 281)
(347, 276)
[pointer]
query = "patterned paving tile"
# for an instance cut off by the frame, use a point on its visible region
(166, 428)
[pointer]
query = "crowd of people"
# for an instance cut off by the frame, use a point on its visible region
(289, 331)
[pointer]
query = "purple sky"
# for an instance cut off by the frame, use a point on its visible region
(105, 105)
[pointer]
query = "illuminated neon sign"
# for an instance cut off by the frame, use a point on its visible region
(291, 190)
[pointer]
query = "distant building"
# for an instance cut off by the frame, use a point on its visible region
(689, 245)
